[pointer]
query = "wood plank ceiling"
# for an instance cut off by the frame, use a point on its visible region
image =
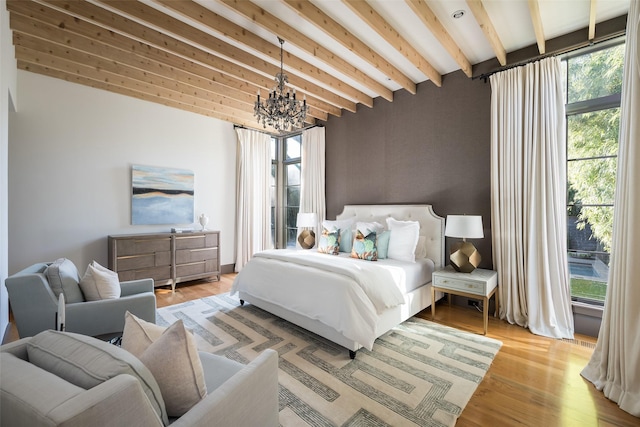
(213, 56)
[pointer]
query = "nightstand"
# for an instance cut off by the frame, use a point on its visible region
(479, 284)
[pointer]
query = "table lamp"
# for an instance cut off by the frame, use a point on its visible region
(307, 238)
(464, 256)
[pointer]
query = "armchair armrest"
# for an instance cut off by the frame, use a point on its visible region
(118, 401)
(107, 316)
(133, 287)
(249, 398)
(33, 303)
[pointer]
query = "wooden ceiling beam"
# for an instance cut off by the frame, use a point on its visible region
(116, 79)
(40, 69)
(182, 71)
(592, 19)
(313, 14)
(133, 42)
(428, 18)
(386, 31)
(482, 17)
(174, 26)
(212, 20)
(272, 23)
(536, 20)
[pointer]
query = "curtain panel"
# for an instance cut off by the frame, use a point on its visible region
(528, 208)
(614, 367)
(312, 185)
(253, 204)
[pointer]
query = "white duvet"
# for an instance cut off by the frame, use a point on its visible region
(344, 293)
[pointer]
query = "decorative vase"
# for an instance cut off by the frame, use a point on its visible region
(204, 220)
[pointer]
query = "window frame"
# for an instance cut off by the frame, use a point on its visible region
(280, 228)
(592, 105)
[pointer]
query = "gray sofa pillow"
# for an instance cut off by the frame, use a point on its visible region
(63, 278)
(86, 362)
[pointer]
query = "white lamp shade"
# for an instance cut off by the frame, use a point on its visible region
(464, 226)
(307, 220)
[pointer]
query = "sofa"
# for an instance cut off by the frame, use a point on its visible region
(65, 379)
(34, 301)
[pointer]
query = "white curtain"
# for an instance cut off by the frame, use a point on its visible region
(528, 168)
(312, 197)
(615, 364)
(253, 204)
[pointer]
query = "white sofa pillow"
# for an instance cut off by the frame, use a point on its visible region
(403, 239)
(99, 283)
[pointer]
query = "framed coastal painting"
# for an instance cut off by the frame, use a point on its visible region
(161, 195)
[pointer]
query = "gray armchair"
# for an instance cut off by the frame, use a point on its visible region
(35, 304)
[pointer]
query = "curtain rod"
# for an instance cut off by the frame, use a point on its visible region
(237, 126)
(600, 44)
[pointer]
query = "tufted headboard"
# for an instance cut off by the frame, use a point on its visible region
(431, 225)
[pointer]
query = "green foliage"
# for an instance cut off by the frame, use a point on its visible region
(588, 289)
(591, 136)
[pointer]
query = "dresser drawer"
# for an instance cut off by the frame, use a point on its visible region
(184, 256)
(470, 286)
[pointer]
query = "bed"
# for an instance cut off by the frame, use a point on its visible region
(348, 301)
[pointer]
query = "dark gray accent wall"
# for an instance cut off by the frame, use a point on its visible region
(431, 147)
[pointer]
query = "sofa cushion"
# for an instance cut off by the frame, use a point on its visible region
(87, 362)
(218, 369)
(100, 283)
(183, 385)
(29, 393)
(63, 278)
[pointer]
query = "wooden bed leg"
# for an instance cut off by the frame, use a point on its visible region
(241, 302)
(352, 354)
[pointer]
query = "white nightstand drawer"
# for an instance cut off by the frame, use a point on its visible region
(479, 282)
(479, 288)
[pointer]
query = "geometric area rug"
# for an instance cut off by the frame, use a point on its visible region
(418, 374)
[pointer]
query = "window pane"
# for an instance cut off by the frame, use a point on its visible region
(593, 181)
(596, 74)
(293, 147)
(593, 134)
(274, 151)
(293, 196)
(291, 237)
(293, 174)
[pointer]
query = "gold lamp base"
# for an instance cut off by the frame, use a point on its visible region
(307, 239)
(464, 257)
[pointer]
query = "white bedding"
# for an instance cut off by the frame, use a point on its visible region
(344, 293)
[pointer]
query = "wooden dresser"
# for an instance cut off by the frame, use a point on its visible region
(168, 258)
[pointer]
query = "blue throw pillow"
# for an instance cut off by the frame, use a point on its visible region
(383, 244)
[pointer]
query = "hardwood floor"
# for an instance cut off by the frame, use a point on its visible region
(533, 381)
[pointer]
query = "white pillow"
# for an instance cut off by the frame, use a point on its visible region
(99, 283)
(171, 354)
(339, 224)
(367, 228)
(403, 240)
(421, 249)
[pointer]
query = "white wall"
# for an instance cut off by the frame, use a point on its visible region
(71, 148)
(7, 96)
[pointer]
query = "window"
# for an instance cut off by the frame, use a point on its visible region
(285, 188)
(593, 86)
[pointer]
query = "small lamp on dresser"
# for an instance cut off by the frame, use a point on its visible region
(464, 256)
(307, 238)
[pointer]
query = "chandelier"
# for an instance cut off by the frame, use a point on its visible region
(281, 110)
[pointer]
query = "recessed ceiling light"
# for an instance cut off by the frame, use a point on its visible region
(458, 14)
